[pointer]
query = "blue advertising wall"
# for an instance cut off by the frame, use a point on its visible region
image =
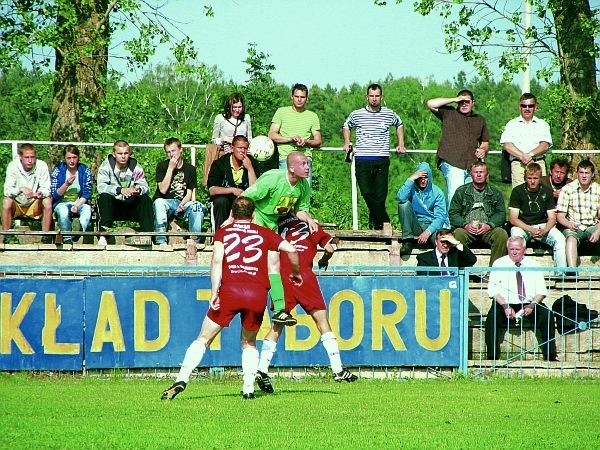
(129, 322)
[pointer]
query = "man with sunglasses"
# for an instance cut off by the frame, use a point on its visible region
(526, 138)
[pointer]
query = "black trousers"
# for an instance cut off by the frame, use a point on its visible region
(221, 208)
(372, 178)
(137, 209)
(496, 322)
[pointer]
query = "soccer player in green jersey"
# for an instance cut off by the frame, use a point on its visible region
(275, 194)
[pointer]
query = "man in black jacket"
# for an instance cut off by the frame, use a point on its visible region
(229, 177)
(448, 252)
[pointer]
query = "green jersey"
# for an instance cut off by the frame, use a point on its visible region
(274, 196)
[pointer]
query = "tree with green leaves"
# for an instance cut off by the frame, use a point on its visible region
(562, 40)
(76, 36)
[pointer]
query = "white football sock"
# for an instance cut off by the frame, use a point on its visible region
(266, 355)
(333, 351)
(193, 356)
(249, 367)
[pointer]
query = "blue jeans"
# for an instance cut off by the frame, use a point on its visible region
(554, 239)
(166, 208)
(283, 165)
(454, 177)
(65, 217)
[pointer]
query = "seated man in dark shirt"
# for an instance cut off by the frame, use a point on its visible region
(229, 177)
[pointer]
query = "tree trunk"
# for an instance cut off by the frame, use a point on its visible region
(81, 65)
(581, 124)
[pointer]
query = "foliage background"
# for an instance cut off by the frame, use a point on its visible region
(182, 100)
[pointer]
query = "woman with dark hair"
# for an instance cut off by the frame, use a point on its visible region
(71, 186)
(233, 121)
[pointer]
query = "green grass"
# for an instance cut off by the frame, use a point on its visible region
(116, 412)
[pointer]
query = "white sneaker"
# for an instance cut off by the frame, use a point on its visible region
(102, 241)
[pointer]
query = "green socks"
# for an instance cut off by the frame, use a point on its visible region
(276, 292)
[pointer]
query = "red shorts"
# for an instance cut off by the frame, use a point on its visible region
(249, 300)
(308, 295)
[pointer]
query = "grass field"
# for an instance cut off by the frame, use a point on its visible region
(117, 412)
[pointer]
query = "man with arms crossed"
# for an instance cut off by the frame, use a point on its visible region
(295, 128)
(275, 194)
(309, 296)
(465, 138)
(27, 191)
(372, 153)
(237, 288)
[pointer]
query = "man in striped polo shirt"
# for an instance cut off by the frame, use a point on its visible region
(372, 124)
(296, 129)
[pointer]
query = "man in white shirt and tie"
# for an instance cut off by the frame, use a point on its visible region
(518, 294)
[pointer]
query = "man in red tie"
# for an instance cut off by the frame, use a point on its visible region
(518, 294)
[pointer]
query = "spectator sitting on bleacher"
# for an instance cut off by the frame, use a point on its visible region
(578, 210)
(515, 294)
(27, 191)
(448, 252)
(532, 213)
(72, 185)
(421, 209)
(477, 213)
(123, 191)
(229, 176)
(558, 176)
(176, 182)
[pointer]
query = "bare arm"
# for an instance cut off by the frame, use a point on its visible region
(436, 103)
(276, 137)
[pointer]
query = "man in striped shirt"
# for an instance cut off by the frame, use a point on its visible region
(372, 124)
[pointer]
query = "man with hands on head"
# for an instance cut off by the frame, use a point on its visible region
(421, 208)
(448, 252)
(465, 138)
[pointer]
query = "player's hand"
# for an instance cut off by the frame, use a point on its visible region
(215, 303)
(312, 226)
(296, 279)
(323, 264)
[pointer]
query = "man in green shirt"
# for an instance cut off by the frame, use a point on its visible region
(275, 194)
(295, 128)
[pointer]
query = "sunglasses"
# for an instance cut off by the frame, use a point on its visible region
(525, 106)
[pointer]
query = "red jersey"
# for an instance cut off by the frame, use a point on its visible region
(246, 252)
(296, 232)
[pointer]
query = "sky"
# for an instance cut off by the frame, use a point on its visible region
(316, 41)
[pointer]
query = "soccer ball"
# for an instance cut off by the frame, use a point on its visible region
(261, 148)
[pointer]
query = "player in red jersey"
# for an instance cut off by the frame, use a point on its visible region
(309, 297)
(240, 283)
